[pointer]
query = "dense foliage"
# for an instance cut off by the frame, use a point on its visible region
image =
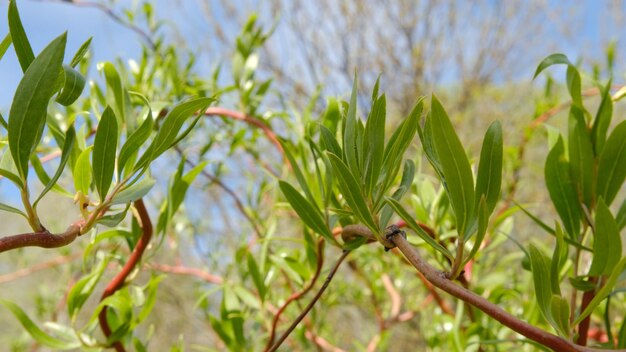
(349, 217)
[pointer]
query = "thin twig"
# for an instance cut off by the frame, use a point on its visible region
(118, 281)
(44, 239)
(297, 295)
(38, 267)
(184, 270)
(440, 280)
(308, 308)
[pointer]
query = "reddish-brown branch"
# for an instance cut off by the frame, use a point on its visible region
(583, 327)
(439, 279)
(183, 270)
(118, 281)
(38, 267)
(44, 239)
(297, 295)
(236, 115)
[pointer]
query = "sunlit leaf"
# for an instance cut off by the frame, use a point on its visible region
(134, 192)
(560, 187)
(104, 151)
(459, 180)
(309, 214)
(607, 243)
(489, 176)
(4, 45)
(82, 172)
(27, 116)
(73, 85)
(70, 137)
(81, 52)
(351, 191)
(374, 144)
(350, 146)
(21, 44)
(611, 170)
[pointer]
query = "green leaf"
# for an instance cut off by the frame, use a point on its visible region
(298, 173)
(4, 45)
(573, 77)
(328, 141)
(10, 209)
(116, 95)
(133, 144)
(351, 191)
(257, 278)
(620, 218)
(489, 176)
(611, 170)
(457, 172)
(607, 244)
(134, 192)
(80, 54)
(309, 214)
(151, 289)
(82, 290)
(27, 115)
(20, 42)
(331, 117)
(82, 172)
(603, 119)
(374, 144)
(104, 150)
(560, 311)
(581, 157)
(559, 257)
(604, 291)
(405, 185)
(397, 146)
(70, 137)
(73, 85)
(39, 335)
(182, 184)
(350, 146)
(169, 130)
(397, 207)
(560, 187)
(483, 221)
(540, 266)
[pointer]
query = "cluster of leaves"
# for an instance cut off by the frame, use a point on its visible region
(348, 171)
(584, 174)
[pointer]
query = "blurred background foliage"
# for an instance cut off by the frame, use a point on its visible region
(279, 67)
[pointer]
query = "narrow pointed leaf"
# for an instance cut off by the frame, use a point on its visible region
(581, 157)
(10, 209)
(27, 115)
(134, 192)
(540, 266)
(82, 172)
(559, 257)
(21, 44)
(104, 151)
(408, 174)
(611, 170)
(489, 176)
(70, 137)
(607, 243)
(374, 144)
(351, 191)
(309, 214)
(455, 166)
(350, 133)
(81, 52)
(133, 143)
(603, 119)
(562, 192)
(4, 45)
(483, 222)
